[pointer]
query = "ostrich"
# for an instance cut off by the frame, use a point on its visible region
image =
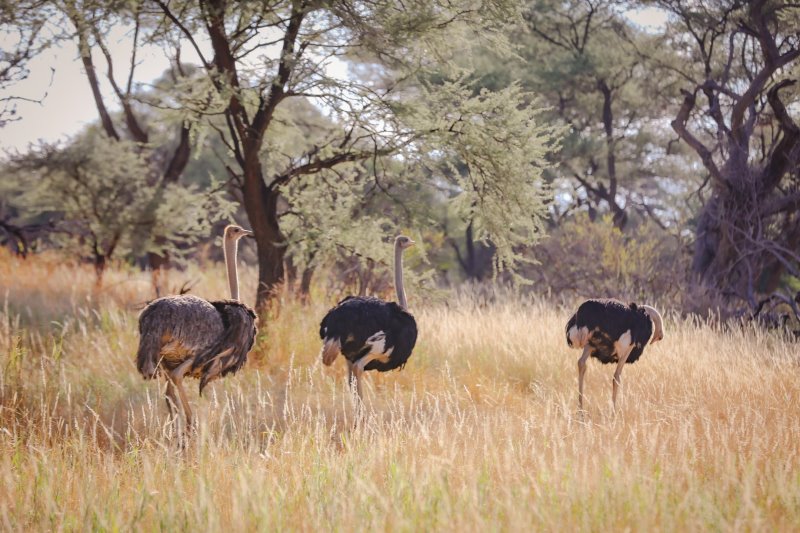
(189, 336)
(370, 333)
(612, 332)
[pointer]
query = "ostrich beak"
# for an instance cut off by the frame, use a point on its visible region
(248, 234)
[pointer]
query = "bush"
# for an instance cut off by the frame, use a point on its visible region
(594, 259)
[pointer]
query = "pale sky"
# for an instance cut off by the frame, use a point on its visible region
(649, 18)
(68, 105)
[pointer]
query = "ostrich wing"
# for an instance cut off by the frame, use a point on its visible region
(173, 329)
(355, 319)
(401, 337)
(229, 351)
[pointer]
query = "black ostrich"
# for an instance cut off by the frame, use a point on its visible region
(612, 332)
(370, 333)
(188, 336)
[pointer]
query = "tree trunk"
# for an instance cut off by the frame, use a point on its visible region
(157, 264)
(742, 248)
(707, 240)
(99, 270)
(261, 206)
(477, 261)
(290, 273)
(91, 75)
(305, 283)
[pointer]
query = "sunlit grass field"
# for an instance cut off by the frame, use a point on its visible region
(479, 432)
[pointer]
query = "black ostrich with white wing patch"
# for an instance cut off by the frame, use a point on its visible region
(364, 325)
(612, 332)
(371, 334)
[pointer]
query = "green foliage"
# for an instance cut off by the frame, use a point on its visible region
(491, 152)
(348, 153)
(478, 154)
(105, 203)
(585, 61)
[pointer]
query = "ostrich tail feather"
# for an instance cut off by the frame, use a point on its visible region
(148, 353)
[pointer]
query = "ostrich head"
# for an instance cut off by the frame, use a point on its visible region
(234, 233)
(403, 242)
(658, 323)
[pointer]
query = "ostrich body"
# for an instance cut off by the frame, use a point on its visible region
(613, 333)
(188, 336)
(370, 333)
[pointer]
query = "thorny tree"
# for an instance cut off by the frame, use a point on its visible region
(266, 53)
(95, 194)
(167, 153)
(25, 34)
(580, 57)
(735, 60)
(113, 79)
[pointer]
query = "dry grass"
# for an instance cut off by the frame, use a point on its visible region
(479, 432)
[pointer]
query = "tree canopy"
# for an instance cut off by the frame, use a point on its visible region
(479, 127)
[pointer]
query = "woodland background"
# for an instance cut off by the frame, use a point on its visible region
(557, 146)
(538, 152)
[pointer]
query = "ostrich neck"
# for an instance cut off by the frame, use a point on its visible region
(230, 264)
(398, 277)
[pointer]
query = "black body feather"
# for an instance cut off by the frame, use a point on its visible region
(355, 319)
(606, 321)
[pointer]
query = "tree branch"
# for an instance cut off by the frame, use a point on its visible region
(319, 165)
(679, 125)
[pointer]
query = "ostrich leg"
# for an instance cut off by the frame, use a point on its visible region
(172, 401)
(176, 376)
(581, 372)
(358, 367)
(623, 348)
(617, 380)
(359, 372)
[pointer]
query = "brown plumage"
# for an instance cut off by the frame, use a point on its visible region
(188, 336)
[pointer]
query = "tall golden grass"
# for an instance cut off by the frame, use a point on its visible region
(478, 432)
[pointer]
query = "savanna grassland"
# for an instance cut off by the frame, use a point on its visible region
(478, 432)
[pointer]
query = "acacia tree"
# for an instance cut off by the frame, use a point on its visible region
(113, 81)
(96, 195)
(266, 53)
(735, 60)
(582, 58)
(92, 21)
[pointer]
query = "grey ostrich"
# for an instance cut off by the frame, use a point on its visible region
(188, 336)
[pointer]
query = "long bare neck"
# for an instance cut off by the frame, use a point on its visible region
(655, 316)
(230, 247)
(398, 277)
